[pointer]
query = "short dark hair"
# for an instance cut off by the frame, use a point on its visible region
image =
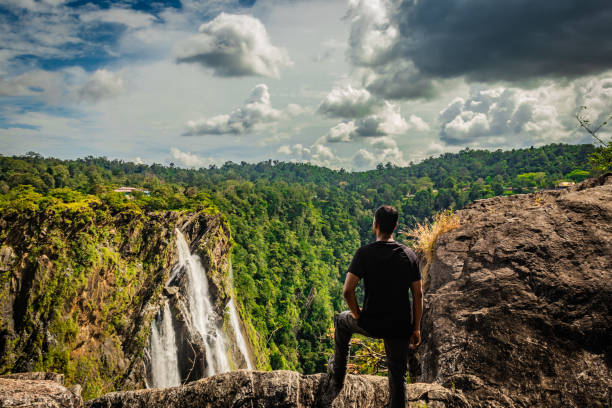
(386, 218)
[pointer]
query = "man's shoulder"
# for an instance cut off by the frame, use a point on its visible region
(375, 246)
(408, 252)
(367, 246)
(372, 247)
(407, 249)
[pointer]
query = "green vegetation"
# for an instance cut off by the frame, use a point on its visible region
(601, 160)
(424, 236)
(294, 226)
(88, 263)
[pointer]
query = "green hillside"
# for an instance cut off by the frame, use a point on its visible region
(295, 226)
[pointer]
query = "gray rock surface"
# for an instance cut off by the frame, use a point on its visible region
(277, 389)
(37, 389)
(36, 375)
(519, 303)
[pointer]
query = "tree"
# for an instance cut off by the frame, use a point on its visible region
(601, 159)
(444, 199)
(577, 175)
(34, 155)
(60, 174)
(497, 185)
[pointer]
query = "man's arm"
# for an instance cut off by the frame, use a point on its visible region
(349, 294)
(417, 309)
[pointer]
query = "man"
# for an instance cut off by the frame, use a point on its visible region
(389, 270)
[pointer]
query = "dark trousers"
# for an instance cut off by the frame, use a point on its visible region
(396, 350)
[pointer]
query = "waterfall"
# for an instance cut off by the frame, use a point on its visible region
(203, 316)
(164, 364)
(242, 346)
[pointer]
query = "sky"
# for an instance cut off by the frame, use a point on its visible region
(343, 84)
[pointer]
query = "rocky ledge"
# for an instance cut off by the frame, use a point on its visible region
(263, 389)
(518, 309)
(37, 389)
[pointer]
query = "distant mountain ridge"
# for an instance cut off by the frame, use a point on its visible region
(553, 158)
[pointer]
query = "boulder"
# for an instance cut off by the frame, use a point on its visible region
(266, 389)
(518, 310)
(38, 389)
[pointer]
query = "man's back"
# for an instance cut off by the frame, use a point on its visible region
(388, 269)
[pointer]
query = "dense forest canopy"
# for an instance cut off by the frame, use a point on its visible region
(295, 226)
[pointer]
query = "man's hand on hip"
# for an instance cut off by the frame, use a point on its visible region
(415, 339)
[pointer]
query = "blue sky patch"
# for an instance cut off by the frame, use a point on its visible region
(4, 125)
(26, 104)
(140, 5)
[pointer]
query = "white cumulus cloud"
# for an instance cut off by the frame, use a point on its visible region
(191, 160)
(364, 159)
(498, 116)
(417, 123)
(348, 103)
(342, 132)
(317, 154)
(102, 84)
(385, 122)
(235, 45)
(256, 114)
(382, 150)
(596, 95)
(373, 45)
(67, 85)
(373, 32)
(127, 17)
(45, 84)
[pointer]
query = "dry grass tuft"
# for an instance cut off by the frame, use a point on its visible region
(425, 235)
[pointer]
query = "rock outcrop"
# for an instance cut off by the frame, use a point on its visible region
(277, 389)
(37, 389)
(519, 304)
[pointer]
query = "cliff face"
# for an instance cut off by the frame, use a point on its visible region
(79, 286)
(519, 306)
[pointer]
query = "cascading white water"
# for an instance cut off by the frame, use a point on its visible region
(203, 316)
(238, 333)
(164, 361)
(162, 347)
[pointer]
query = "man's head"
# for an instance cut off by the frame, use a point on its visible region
(385, 220)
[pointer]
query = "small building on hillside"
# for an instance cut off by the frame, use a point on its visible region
(127, 191)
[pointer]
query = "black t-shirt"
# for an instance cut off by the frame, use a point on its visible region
(387, 268)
